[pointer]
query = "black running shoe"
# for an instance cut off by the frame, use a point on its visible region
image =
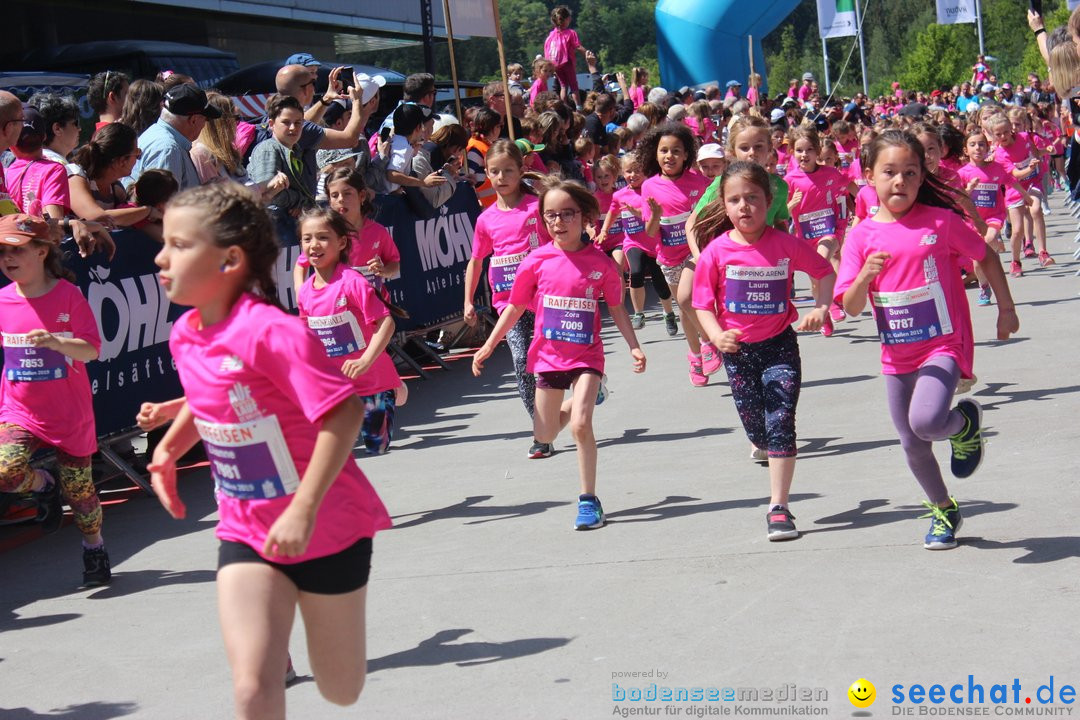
(780, 524)
(96, 567)
(967, 445)
(540, 450)
(50, 511)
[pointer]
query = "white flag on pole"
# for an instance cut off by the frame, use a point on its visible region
(950, 12)
(836, 18)
(472, 17)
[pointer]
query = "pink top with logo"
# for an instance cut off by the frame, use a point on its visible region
(918, 300)
(866, 202)
(508, 236)
(630, 225)
(567, 288)
(748, 287)
(989, 195)
(44, 391)
(33, 184)
(560, 45)
(677, 199)
(259, 399)
(1020, 155)
(344, 314)
(823, 210)
(614, 237)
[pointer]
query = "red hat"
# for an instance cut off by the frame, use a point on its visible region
(895, 85)
(936, 93)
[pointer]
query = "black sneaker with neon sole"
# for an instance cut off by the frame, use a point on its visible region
(968, 448)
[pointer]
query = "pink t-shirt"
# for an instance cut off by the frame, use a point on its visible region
(344, 314)
(567, 288)
(804, 93)
(989, 195)
(614, 236)
(1020, 155)
(44, 391)
(535, 89)
(508, 236)
(752, 95)
(677, 199)
(258, 399)
(918, 300)
(848, 153)
(783, 160)
(33, 184)
(950, 163)
(637, 95)
(822, 212)
(560, 46)
(866, 202)
(630, 225)
(748, 287)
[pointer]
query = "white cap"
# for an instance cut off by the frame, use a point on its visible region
(777, 115)
(368, 86)
(710, 151)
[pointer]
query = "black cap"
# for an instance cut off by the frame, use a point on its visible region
(409, 116)
(33, 123)
(187, 99)
(335, 110)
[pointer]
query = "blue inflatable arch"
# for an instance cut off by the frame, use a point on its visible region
(701, 41)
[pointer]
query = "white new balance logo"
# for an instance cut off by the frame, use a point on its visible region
(63, 318)
(231, 363)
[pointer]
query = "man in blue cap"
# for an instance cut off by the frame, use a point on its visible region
(306, 60)
(734, 90)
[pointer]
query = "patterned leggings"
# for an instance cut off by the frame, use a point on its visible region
(378, 428)
(17, 445)
(519, 338)
(765, 380)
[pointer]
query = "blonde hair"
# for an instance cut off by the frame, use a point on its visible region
(744, 123)
(1065, 62)
(218, 134)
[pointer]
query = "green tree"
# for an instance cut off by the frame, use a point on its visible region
(942, 55)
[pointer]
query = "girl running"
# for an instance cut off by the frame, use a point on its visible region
(671, 192)
(508, 231)
(610, 239)
(297, 515)
(1018, 155)
(903, 260)
(568, 278)
(625, 218)
(372, 251)
(49, 333)
(741, 290)
(986, 182)
(818, 200)
(344, 311)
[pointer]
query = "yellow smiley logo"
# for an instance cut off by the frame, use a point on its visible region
(862, 693)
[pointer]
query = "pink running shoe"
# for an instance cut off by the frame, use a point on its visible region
(1015, 269)
(697, 377)
(837, 313)
(1045, 260)
(827, 326)
(710, 358)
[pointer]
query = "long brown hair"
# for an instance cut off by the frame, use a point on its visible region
(233, 216)
(715, 221)
(932, 192)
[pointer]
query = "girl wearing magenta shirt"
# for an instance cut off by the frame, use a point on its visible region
(671, 191)
(903, 260)
(818, 202)
(742, 287)
(508, 231)
(296, 514)
(49, 333)
(566, 280)
(626, 217)
(560, 47)
(350, 319)
(1019, 157)
(985, 182)
(372, 250)
(611, 240)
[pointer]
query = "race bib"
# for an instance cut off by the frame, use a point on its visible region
(616, 227)
(632, 223)
(911, 316)
(673, 230)
(985, 195)
(818, 224)
(340, 334)
(570, 319)
(249, 461)
(375, 280)
(781, 170)
(756, 290)
(503, 270)
(25, 363)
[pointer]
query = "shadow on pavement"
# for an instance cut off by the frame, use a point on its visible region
(821, 447)
(674, 506)
(1040, 550)
(999, 396)
(85, 711)
(862, 517)
(470, 508)
(437, 650)
(836, 381)
(632, 436)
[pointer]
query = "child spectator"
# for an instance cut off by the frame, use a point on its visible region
(559, 48)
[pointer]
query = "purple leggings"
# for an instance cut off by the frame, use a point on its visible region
(920, 404)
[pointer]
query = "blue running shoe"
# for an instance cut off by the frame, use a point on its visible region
(590, 514)
(944, 524)
(967, 445)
